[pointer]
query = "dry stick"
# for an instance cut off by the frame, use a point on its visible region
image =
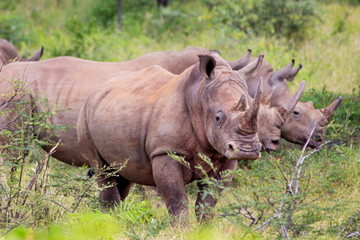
(350, 235)
(61, 206)
(38, 170)
(82, 196)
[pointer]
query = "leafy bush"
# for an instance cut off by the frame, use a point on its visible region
(104, 12)
(27, 183)
(265, 17)
(16, 28)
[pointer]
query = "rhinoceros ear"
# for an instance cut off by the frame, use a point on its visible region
(294, 72)
(207, 65)
(37, 55)
(252, 69)
(241, 62)
(282, 74)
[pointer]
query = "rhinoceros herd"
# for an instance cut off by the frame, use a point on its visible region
(187, 102)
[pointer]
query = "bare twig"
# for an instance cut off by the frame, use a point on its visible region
(38, 170)
(83, 195)
(61, 206)
(350, 235)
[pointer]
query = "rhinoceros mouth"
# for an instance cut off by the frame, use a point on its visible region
(243, 151)
(316, 139)
(314, 143)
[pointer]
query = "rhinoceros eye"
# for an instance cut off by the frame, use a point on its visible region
(219, 117)
(296, 112)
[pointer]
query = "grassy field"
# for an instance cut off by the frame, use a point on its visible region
(328, 206)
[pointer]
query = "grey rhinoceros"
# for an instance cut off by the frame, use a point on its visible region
(9, 54)
(140, 117)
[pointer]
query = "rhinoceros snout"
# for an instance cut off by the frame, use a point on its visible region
(273, 145)
(243, 151)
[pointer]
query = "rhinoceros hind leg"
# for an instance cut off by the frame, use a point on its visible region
(169, 180)
(109, 195)
(123, 186)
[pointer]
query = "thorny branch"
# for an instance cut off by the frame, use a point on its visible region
(293, 186)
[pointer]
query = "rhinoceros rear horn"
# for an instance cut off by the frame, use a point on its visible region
(37, 55)
(207, 65)
(282, 74)
(241, 62)
(241, 105)
(291, 105)
(329, 110)
(252, 68)
(294, 72)
(252, 113)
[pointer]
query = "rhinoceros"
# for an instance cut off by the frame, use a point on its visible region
(142, 117)
(298, 125)
(9, 54)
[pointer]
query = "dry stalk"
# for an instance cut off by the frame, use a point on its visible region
(38, 171)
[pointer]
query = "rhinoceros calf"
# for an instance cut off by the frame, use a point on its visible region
(143, 116)
(9, 54)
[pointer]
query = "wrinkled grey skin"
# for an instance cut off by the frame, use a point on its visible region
(144, 115)
(9, 54)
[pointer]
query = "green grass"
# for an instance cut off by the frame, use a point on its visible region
(330, 54)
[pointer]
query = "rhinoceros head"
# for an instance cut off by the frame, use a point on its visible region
(298, 126)
(272, 119)
(230, 120)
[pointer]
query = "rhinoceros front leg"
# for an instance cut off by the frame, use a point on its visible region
(203, 204)
(169, 180)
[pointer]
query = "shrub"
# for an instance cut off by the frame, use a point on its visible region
(27, 184)
(265, 17)
(16, 28)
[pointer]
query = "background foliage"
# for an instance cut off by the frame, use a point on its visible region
(323, 35)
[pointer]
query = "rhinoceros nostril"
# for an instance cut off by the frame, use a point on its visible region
(230, 147)
(276, 141)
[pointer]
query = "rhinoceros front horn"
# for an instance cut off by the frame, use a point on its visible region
(251, 115)
(291, 105)
(241, 62)
(329, 110)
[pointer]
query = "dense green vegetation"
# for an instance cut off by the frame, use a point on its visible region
(323, 35)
